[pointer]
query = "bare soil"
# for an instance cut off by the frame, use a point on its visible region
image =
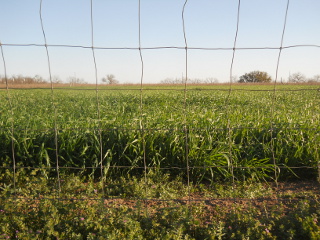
(286, 194)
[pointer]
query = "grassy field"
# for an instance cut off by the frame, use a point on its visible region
(162, 143)
(250, 132)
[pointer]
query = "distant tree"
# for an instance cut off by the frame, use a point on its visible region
(315, 79)
(211, 80)
(172, 81)
(56, 79)
(39, 79)
(75, 80)
(21, 79)
(110, 79)
(166, 81)
(189, 81)
(255, 77)
(297, 78)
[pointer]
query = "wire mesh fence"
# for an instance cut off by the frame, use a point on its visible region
(146, 149)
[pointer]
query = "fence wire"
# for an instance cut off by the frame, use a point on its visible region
(143, 128)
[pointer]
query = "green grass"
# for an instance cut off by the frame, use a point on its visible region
(237, 145)
(138, 208)
(227, 137)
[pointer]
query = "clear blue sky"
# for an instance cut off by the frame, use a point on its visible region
(209, 23)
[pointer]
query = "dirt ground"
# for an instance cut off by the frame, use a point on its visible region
(286, 194)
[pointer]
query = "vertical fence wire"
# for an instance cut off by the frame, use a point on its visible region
(274, 99)
(54, 107)
(102, 175)
(12, 122)
(228, 113)
(228, 107)
(186, 131)
(141, 121)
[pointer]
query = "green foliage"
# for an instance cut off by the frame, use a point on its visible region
(81, 212)
(245, 141)
(157, 134)
(255, 77)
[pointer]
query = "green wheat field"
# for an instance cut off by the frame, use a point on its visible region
(158, 142)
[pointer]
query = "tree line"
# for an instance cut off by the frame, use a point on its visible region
(37, 79)
(20, 79)
(251, 77)
(264, 77)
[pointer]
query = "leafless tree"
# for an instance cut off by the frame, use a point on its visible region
(315, 79)
(297, 78)
(110, 79)
(75, 80)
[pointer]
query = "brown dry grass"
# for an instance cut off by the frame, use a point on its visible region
(67, 85)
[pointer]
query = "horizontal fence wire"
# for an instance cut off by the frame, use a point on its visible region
(144, 130)
(156, 168)
(191, 89)
(160, 48)
(207, 200)
(111, 129)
